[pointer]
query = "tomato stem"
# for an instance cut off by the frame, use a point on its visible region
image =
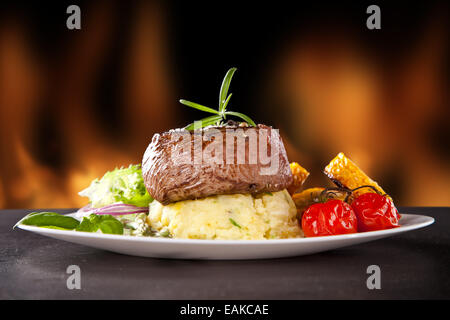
(332, 193)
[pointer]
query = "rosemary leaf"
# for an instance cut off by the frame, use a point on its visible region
(198, 106)
(205, 122)
(224, 88)
(242, 116)
(224, 107)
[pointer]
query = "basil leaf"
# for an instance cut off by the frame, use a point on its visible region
(49, 219)
(29, 215)
(111, 226)
(242, 116)
(106, 223)
(52, 220)
(96, 218)
(224, 88)
(198, 106)
(53, 227)
(87, 226)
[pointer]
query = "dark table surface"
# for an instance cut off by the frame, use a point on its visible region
(414, 265)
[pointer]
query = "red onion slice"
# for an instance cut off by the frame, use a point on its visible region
(113, 209)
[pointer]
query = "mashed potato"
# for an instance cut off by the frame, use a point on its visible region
(228, 217)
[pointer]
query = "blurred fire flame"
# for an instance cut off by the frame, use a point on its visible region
(88, 152)
(341, 100)
(337, 99)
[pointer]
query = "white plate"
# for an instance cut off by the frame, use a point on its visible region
(225, 249)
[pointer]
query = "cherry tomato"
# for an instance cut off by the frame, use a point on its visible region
(329, 218)
(375, 212)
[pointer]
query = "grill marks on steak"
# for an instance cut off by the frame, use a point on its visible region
(170, 176)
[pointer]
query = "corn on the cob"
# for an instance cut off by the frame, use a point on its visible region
(310, 196)
(345, 173)
(306, 198)
(300, 174)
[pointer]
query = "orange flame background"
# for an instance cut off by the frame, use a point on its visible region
(322, 86)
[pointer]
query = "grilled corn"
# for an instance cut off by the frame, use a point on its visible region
(310, 196)
(300, 174)
(306, 198)
(345, 173)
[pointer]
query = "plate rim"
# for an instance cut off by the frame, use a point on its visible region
(429, 220)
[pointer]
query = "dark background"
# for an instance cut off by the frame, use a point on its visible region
(75, 103)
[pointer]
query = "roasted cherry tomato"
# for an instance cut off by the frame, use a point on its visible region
(375, 212)
(329, 218)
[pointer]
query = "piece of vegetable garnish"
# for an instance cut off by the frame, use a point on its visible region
(116, 209)
(106, 223)
(221, 114)
(49, 219)
(235, 223)
(122, 185)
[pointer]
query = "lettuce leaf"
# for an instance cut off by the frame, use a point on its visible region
(122, 185)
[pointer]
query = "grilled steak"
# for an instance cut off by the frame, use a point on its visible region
(181, 165)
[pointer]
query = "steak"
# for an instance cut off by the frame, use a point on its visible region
(183, 165)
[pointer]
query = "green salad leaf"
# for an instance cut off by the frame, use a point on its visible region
(106, 223)
(122, 185)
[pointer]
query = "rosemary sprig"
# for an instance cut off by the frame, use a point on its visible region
(224, 89)
(198, 106)
(204, 122)
(221, 114)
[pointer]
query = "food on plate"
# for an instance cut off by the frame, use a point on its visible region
(228, 217)
(92, 223)
(225, 180)
(169, 178)
(345, 173)
(122, 185)
(49, 220)
(306, 198)
(105, 223)
(224, 195)
(358, 204)
(299, 175)
(239, 193)
(309, 196)
(120, 193)
(375, 212)
(330, 218)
